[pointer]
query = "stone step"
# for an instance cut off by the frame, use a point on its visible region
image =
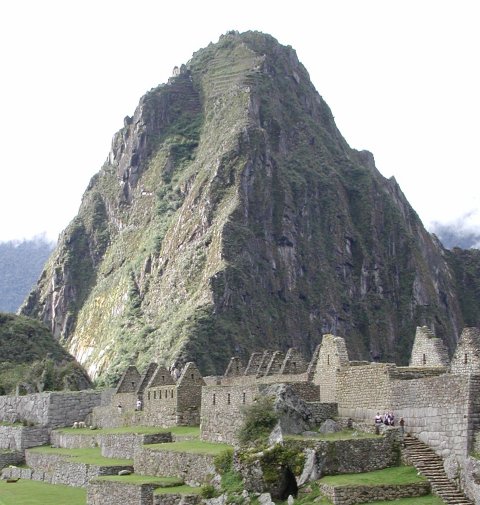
(430, 465)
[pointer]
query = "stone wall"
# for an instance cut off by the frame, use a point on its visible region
(351, 495)
(19, 438)
(222, 413)
(362, 391)
(322, 411)
(112, 417)
(350, 456)
(10, 458)
(31, 408)
(66, 408)
(58, 469)
(440, 410)
(126, 444)
(101, 492)
(160, 405)
(55, 410)
(192, 468)
(118, 445)
(176, 499)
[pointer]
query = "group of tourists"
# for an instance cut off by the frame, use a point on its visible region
(388, 419)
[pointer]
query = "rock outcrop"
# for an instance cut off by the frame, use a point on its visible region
(231, 215)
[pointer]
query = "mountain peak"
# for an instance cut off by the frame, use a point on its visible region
(231, 215)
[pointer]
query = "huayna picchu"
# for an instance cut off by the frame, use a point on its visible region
(231, 215)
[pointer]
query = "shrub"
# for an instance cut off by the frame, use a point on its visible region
(259, 420)
(223, 461)
(208, 491)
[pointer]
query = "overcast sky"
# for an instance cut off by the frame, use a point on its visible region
(401, 77)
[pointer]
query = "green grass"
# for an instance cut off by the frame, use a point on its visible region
(177, 490)
(421, 500)
(30, 492)
(89, 455)
(143, 479)
(393, 476)
(192, 431)
(339, 435)
(191, 447)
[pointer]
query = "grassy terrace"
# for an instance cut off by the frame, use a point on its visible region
(391, 476)
(339, 435)
(90, 456)
(190, 431)
(31, 492)
(191, 447)
(167, 485)
(142, 479)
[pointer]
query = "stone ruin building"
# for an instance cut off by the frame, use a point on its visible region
(438, 397)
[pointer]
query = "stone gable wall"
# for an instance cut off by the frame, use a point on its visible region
(428, 350)
(130, 381)
(332, 358)
(466, 359)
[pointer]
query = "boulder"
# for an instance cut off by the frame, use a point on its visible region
(329, 426)
(294, 414)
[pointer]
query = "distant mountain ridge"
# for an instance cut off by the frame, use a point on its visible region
(21, 263)
(230, 216)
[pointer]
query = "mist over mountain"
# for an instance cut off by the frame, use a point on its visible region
(21, 263)
(232, 216)
(463, 233)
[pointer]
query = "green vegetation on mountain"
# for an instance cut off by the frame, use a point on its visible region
(32, 361)
(21, 263)
(232, 216)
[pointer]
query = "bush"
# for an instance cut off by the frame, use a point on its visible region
(223, 461)
(259, 420)
(208, 491)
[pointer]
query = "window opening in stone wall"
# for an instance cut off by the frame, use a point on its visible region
(149, 395)
(328, 359)
(213, 399)
(228, 399)
(163, 378)
(133, 384)
(192, 375)
(171, 393)
(244, 397)
(154, 395)
(424, 360)
(160, 395)
(466, 358)
(294, 365)
(166, 394)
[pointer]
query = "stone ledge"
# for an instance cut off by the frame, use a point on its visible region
(351, 495)
(59, 469)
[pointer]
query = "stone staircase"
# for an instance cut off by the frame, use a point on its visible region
(430, 465)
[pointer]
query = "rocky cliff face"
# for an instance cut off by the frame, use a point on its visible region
(230, 216)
